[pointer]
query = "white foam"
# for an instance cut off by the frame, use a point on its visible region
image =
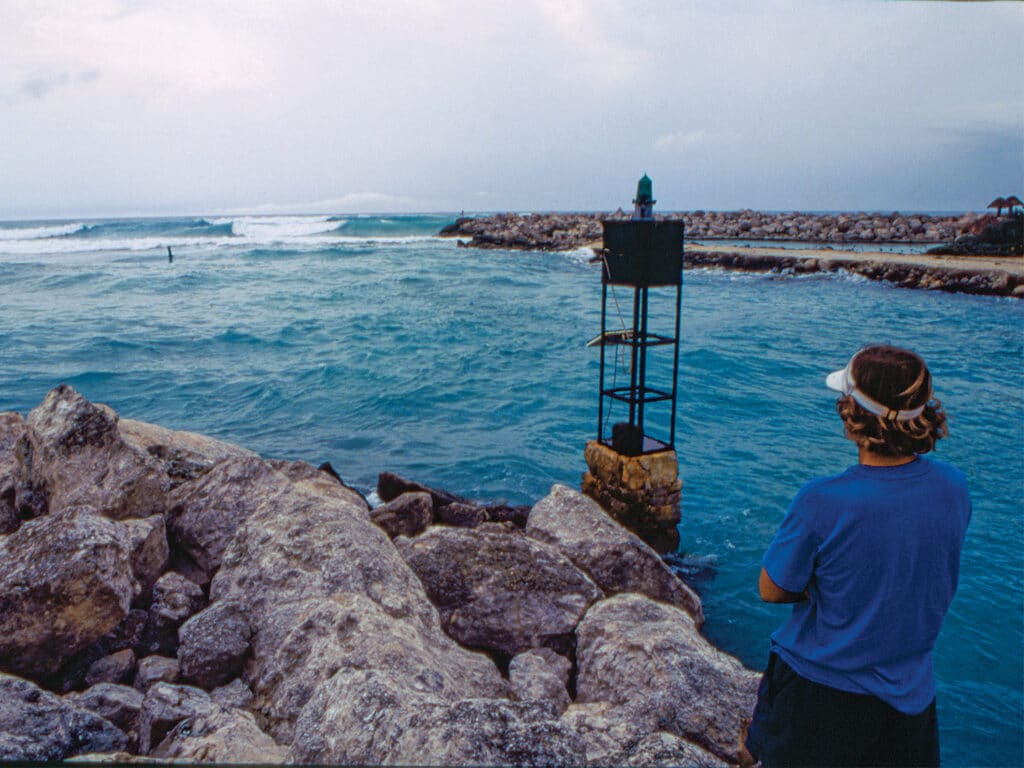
(36, 233)
(48, 246)
(278, 229)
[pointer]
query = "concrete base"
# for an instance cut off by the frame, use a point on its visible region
(640, 492)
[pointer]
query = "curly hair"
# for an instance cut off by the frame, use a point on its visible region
(899, 379)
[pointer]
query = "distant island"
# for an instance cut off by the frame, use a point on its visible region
(972, 253)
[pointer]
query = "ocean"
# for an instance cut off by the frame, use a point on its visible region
(370, 343)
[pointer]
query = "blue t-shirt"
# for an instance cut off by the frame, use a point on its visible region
(878, 550)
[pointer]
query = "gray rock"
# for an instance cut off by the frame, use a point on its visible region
(76, 453)
(182, 456)
(166, 705)
(614, 557)
(175, 599)
(461, 515)
(612, 738)
(327, 591)
(667, 749)
(149, 550)
(213, 644)
(65, 582)
(234, 695)
(117, 703)
(220, 736)
(502, 592)
(155, 669)
(37, 725)
(540, 674)
(406, 515)
(369, 718)
(115, 668)
(648, 660)
(205, 514)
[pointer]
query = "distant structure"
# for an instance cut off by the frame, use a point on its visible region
(643, 205)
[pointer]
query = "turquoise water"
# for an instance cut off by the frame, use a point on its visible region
(367, 342)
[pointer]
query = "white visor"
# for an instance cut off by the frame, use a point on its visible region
(842, 381)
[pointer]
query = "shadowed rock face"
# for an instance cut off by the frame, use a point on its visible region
(65, 582)
(503, 592)
(649, 662)
(37, 725)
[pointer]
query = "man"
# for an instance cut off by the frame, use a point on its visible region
(870, 559)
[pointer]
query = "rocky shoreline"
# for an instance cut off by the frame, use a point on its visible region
(167, 595)
(964, 236)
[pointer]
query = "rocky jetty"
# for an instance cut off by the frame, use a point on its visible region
(905, 274)
(166, 595)
(969, 235)
(566, 231)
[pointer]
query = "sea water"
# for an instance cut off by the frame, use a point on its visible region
(372, 344)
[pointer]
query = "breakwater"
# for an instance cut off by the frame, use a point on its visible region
(825, 235)
(562, 231)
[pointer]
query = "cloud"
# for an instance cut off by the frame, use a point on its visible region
(683, 140)
(352, 202)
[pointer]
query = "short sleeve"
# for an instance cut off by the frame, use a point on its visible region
(789, 559)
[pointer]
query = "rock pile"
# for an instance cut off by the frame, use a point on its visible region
(567, 231)
(168, 595)
(988, 282)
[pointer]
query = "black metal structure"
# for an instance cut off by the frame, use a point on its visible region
(640, 255)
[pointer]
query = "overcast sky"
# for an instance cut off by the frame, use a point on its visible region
(208, 106)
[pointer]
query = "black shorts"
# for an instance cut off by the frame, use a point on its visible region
(801, 723)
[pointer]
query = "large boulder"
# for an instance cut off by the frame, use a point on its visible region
(649, 661)
(370, 718)
(503, 592)
(204, 514)
(326, 591)
(214, 643)
(65, 582)
(614, 557)
(220, 736)
(37, 725)
(74, 450)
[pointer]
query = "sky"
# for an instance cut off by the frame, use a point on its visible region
(154, 107)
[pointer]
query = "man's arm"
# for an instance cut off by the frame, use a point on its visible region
(773, 593)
